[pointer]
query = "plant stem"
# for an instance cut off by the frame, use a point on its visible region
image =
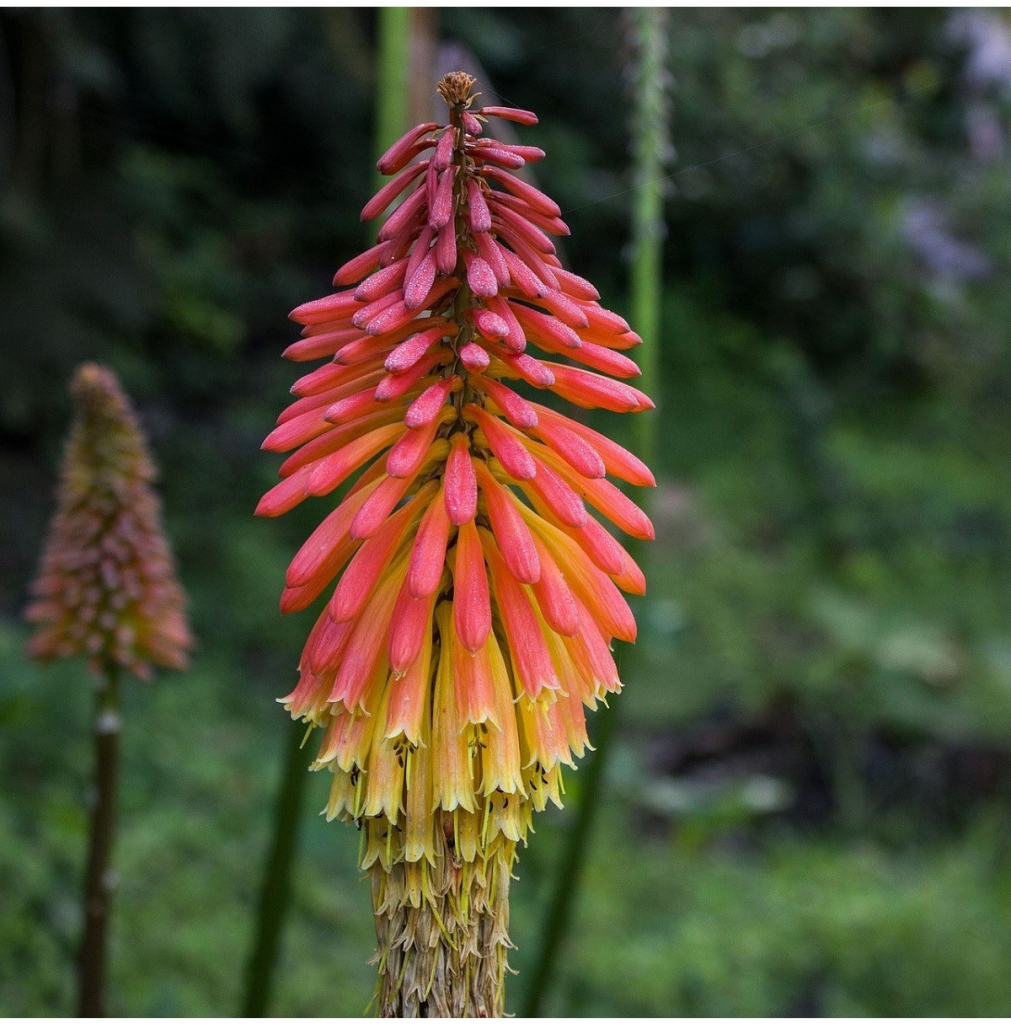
(651, 153)
(99, 879)
(276, 886)
(651, 149)
(565, 888)
(423, 42)
(393, 70)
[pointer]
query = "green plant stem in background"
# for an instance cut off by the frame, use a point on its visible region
(274, 892)
(393, 78)
(99, 879)
(393, 66)
(651, 151)
(558, 910)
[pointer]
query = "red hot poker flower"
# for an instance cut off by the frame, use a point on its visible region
(107, 586)
(478, 596)
(106, 589)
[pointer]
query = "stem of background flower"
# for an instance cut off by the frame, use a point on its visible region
(393, 71)
(650, 145)
(276, 887)
(99, 879)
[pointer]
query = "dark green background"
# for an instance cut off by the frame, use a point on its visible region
(808, 808)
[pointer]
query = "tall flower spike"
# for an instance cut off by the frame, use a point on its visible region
(107, 587)
(471, 629)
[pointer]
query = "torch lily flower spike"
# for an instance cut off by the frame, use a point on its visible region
(107, 586)
(107, 590)
(477, 596)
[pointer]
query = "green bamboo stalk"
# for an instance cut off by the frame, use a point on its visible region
(99, 879)
(651, 152)
(393, 78)
(276, 886)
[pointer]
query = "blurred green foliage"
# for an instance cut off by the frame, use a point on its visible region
(809, 806)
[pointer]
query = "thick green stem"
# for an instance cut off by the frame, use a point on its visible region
(558, 910)
(99, 879)
(393, 77)
(651, 152)
(651, 149)
(273, 903)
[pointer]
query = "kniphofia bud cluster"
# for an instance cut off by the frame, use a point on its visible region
(107, 587)
(477, 597)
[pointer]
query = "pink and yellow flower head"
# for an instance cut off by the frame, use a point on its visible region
(107, 587)
(477, 596)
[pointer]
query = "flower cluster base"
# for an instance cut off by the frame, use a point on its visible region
(443, 926)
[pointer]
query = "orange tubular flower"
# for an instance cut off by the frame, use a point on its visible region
(478, 597)
(107, 587)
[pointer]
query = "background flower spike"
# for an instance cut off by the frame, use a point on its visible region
(107, 590)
